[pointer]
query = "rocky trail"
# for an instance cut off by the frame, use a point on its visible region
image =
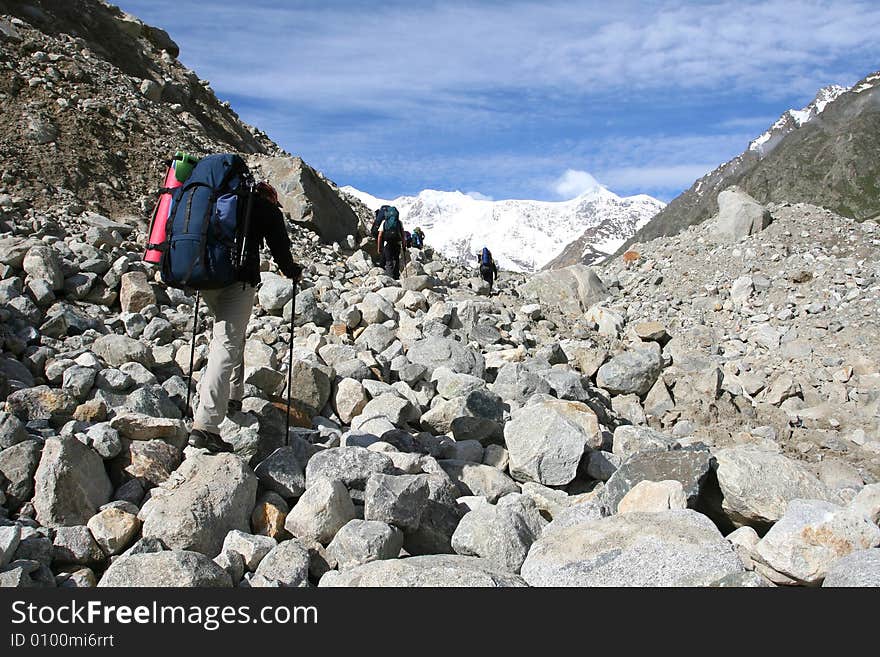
(704, 410)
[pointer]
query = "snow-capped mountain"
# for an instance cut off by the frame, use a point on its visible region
(522, 235)
(794, 119)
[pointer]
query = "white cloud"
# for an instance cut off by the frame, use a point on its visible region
(326, 54)
(573, 183)
(477, 196)
(457, 73)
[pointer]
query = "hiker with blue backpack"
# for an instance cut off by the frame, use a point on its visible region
(218, 221)
(418, 238)
(391, 241)
(488, 269)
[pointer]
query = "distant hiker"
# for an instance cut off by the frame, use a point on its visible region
(407, 238)
(418, 238)
(488, 269)
(222, 384)
(374, 231)
(390, 242)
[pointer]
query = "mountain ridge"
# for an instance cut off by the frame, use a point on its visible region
(523, 234)
(824, 155)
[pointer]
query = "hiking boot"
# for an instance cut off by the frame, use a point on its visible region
(233, 406)
(210, 441)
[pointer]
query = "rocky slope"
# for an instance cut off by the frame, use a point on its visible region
(717, 399)
(824, 154)
(94, 101)
(704, 413)
(523, 235)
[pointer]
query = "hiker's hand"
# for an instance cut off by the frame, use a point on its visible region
(297, 273)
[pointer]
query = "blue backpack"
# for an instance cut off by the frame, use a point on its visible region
(486, 258)
(391, 231)
(207, 225)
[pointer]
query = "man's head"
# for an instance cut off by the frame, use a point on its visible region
(268, 192)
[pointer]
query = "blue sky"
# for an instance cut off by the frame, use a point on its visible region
(518, 99)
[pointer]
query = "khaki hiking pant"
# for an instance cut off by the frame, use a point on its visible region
(224, 378)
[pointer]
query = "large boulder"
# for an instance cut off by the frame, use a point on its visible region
(17, 467)
(114, 529)
(275, 291)
(364, 541)
(322, 511)
(478, 412)
(573, 289)
(13, 250)
(441, 570)
(547, 439)
(739, 215)
(63, 319)
(517, 382)
(811, 536)
(860, 568)
(287, 564)
(502, 532)
(396, 499)
(42, 403)
(139, 426)
(135, 292)
(283, 472)
(149, 461)
(669, 548)
(453, 384)
(349, 399)
(632, 372)
(478, 479)
(206, 498)
(630, 440)
(350, 465)
(310, 387)
(16, 376)
(10, 537)
(70, 483)
(116, 350)
(653, 496)
(389, 407)
(308, 199)
(43, 263)
(308, 309)
(176, 568)
(434, 352)
(689, 467)
(757, 485)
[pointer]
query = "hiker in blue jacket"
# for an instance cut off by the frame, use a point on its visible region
(488, 269)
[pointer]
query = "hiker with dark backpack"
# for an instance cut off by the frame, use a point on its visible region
(391, 242)
(488, 269)
(374, 232)
(218, 222)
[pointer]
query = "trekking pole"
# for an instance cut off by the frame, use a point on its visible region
(290, 365)
(192, 355)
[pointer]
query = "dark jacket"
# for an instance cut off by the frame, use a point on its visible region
(267, 226)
